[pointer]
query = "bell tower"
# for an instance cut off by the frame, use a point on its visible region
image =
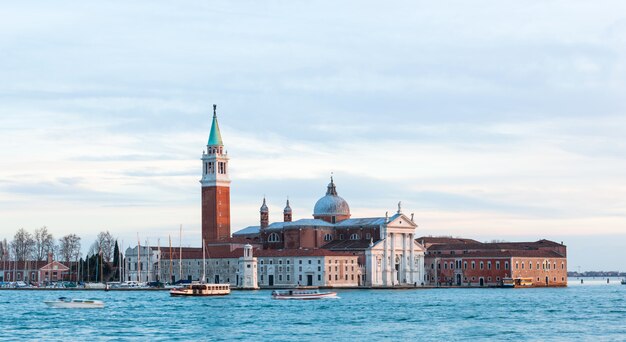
(215, 187)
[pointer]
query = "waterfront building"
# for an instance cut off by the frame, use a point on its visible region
(35, 272)
(141, 264)
(331, 249)
(466, 262)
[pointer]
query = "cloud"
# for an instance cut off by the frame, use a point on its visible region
(481, 118)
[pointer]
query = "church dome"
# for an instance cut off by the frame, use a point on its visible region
(331, 204)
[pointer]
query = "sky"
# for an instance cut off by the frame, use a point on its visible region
(493, 120)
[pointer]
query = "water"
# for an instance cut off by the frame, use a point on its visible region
(594, 310)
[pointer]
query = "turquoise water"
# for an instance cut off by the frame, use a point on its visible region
(593, 311)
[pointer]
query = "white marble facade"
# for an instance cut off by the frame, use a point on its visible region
(396, 259)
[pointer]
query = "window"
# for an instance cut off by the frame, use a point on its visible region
(280, 277)
(473, 265)
(368, 236)
(522, 265)
(451, 264)
(300, 268)
(562, 265)
(516, 265)
(273, 238)
(300, 277)
(355, 237)
(506, 265)
(537, 264)
(465, 265)
(445, 265)
(319, 277)
(309, 262)
(482, 265)
(328, 237)
(319, 268)
(300, 262)
(288, 277)
(530, 265)
(340, 236)
(489, 266)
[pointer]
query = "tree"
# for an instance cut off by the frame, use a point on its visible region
(23, 245)
(44, 243)
(116, 255)
(104, 243)
(69, 247)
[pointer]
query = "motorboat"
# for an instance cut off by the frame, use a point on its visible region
(302, 294)
(68, 303)
(201, 290)
(624, 281)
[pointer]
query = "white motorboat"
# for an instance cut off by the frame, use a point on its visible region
(302, 294)
(68, 303)
(201, 290)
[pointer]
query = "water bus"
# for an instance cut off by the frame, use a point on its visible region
(517, 282)
(201, 290)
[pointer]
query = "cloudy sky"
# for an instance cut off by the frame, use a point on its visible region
(487, 119)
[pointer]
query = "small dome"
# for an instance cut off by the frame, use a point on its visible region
(331, 204)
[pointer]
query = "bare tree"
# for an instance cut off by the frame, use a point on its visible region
(44, 243)
(23, 245)
(69, 247)
(4, 250)
(105, 243)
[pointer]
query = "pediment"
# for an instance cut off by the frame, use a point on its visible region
(401, 221)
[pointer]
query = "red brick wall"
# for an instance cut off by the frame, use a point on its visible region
(448, 268)
(557, 276)
(215, 213)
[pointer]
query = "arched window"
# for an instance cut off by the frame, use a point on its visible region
(328, 237)
(355, 237)
(273, 238)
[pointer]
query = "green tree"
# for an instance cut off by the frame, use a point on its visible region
(116, 255)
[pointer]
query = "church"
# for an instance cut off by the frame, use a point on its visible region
(331, 249)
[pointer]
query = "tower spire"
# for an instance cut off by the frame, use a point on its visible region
(215, 137)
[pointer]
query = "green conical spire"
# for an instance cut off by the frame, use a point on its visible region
(215, 138)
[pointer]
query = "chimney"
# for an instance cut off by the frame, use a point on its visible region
(50, 259)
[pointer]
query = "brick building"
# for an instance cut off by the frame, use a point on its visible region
(466, 262)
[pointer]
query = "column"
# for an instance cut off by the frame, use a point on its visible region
(384, 265)
(393, 258)
(412, 253)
